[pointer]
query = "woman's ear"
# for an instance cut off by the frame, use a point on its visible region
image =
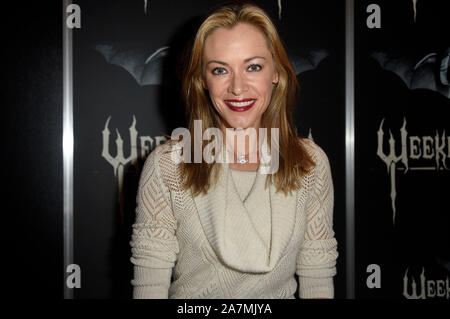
(275, 78)
(204, 83)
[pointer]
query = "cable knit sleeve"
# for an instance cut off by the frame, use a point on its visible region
(316, 260)
(154, 246)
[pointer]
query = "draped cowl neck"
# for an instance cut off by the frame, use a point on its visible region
(230, 231)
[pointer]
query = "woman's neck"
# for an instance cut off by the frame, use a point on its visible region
(242, 146)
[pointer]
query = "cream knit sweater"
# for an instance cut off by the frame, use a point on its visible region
(219, 246)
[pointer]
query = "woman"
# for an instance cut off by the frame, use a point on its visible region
(224, 229)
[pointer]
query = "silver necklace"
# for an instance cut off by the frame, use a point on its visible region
(242, 159)
(255, 176)
(251, 189)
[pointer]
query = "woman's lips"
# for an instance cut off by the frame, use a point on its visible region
(240, 105)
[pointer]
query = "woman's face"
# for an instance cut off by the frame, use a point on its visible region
(239, 73)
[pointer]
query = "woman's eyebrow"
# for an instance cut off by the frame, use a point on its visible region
(215, 61)
(254, 57)
(246, 60)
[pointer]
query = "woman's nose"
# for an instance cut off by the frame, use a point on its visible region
(237, 85)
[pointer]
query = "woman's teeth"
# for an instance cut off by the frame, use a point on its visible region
(241, 104)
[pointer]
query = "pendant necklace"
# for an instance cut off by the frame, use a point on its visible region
(242, 159)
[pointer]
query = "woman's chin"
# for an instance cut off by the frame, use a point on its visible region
(241, 124)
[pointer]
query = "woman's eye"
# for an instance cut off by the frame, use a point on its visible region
(254, 67)
(219, 71)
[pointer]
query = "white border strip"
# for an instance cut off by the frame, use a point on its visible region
(67, 148)
(350, 146)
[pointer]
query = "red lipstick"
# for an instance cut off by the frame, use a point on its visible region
(240, 105)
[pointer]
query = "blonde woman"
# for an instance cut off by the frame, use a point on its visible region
(224, 228)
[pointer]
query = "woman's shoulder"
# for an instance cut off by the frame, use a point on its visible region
(166, 150)
(316, 152)
(163, 158)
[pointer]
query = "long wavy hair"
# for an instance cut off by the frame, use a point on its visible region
(294, 161)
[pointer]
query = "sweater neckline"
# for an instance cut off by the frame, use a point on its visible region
(244, 183)
(231, 233)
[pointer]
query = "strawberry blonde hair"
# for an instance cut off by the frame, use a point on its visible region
(294, 161)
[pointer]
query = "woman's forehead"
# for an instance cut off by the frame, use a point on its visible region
(239, 42)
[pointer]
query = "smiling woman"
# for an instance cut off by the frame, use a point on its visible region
(226, 230)
(220, 76)
(239, 74)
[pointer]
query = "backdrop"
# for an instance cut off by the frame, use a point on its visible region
(402, 151)
(126, 98)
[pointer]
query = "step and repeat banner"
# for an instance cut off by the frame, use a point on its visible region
(126, 87)
(127, 57)
(402, 102)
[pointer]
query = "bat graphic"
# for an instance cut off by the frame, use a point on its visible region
(308, 60)
(147, 67)
(444, 263)
(429, 72)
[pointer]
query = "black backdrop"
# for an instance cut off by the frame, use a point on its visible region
(419, 240)
(32, 177)
(103, 217)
